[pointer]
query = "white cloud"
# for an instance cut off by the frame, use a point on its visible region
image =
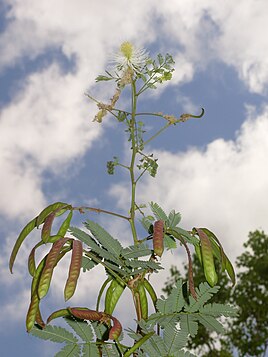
(223, 187)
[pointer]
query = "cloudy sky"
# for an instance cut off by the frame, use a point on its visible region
(213, 170)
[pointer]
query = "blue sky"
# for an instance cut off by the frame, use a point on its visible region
(212, 170)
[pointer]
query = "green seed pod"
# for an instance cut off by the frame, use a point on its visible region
(58, 313)
(49, 209)
(158, 238)
(23, 234)
(207, 258)
(74, 270)
(198, 253)
(32, 311)
(31, 259)
(116, 330)
(143, 300)
(112, 296)
(230, 270)
(65, 225)
(51, 261)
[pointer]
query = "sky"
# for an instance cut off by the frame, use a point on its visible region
(213, 170)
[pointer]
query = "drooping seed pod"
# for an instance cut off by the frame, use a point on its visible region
(207, 258)
(51, 261)
(32, 312)
(151, 291)
(46, 229)
(116, 330)
(158, 238)
(58, 313)
(74, 270)
(65, 225)
(143, 300)
(23, 234)
(31, 259)
(230, 270)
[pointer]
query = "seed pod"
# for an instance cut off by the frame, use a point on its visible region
(106, 282)
(46, 229)
(86, 314)
(143, 301)
(49, 209)
(65, 225)
(198, 253)
(39, 320)
(32, 311)
(116, 330)
(158, 238)
(207, 258)
(31, 259)
(151, 291)
(74, 269)
(58, 313)
(216, 247)
(51, 261)
(230, 270)
(112, 296)
(23, 234)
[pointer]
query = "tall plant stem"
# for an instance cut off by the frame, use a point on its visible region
(132, 163)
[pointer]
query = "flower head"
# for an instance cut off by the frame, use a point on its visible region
(131, 57)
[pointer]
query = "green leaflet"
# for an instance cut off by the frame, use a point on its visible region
(204, 293)
(72, 350)
(90, 350)
(174, 302)
(23, 234)
(54, 334)
(175, 337)
(74, 269)
(218, 310)
(81, 328)
(160, 215)
(177, 232)
(87, 264)
(211, 323)
(169, 242)
(104, 238)
(136, 251)
(173, 219)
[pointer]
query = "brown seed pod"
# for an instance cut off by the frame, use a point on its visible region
(74, 270)
(158, 238)
(116, 330)
(46, 229)
(86, 314)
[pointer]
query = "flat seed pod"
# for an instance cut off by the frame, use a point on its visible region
(39, 319)
(143, 301)
(151, 291)
(217, 247)
(112, 296)
(32, 311)
(116, 330)
(58, 313)
(49, 209)
(23, 234)
(74, 270)
(46, 229)
(230, 270)
(51, 261)
(158, 238)
(31, 259)
(207, 258)
(86, 314)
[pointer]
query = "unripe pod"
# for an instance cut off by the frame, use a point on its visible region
(116, 330)
(158, 238)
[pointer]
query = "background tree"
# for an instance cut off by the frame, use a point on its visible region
(248, 332)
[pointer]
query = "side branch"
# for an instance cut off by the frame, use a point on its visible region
(99, 210)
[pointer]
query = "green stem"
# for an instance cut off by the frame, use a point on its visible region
(157, 133)
(132, 163)
(99, 210)
(138, 344)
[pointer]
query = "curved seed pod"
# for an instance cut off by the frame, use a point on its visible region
(86, 314)
(58, 313)
(143, 301)
(23, 234)
(151, 291)
(39, 320)
(113, 294)
(101, 291)
(74, 270)
(198, 253)
(37, 275)
(217, 247)
(230, 270)
(32, 312)
(51, 261)
(207, 258)
(116, 330)
(31, 259)
(158, 238)
(49, 209)
(65, 225)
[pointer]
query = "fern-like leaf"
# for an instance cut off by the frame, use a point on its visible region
(175, 337)
(147, 222)
(211, 323)
(169, 242)
(87, 264)
(189, 322)
(109, 350)
(105, 239)
(173, 219)
(218, 310)
(174, 302)
(82, 328)
(204, 293)
(72, 350)
(54, 334)
(159, 213)
(90, 350)
(136, 251)
(154, 346)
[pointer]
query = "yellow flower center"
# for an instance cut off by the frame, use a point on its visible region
(127, 50)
